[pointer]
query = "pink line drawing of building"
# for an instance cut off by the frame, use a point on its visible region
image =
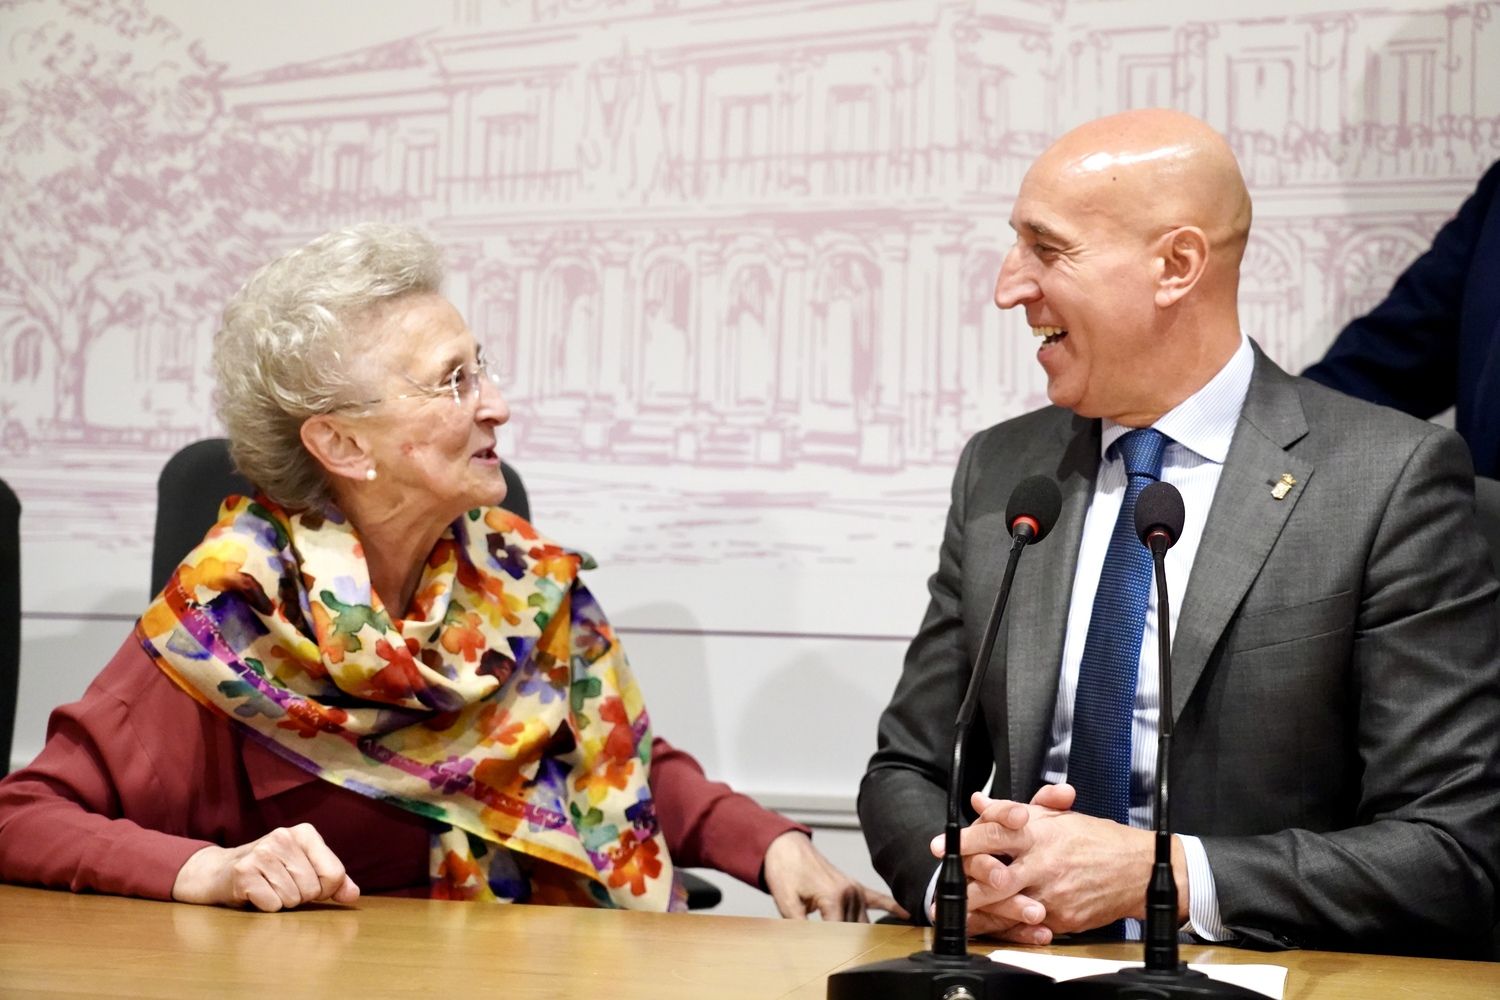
(751, 235)
(733, 249)
(762, 233)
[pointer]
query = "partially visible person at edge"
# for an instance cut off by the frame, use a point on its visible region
(368, 677)
(1435, 340)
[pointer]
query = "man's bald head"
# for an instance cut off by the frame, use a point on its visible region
(1130, 232)
(1155, 169)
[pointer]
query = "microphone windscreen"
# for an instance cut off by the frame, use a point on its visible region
(1038, 498)
(1159, 507)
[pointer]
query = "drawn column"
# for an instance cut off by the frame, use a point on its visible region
(941, 134)
(880, 445)
(920, 347)
(610, 374)
(709, 382)
(529, 348)
(462, 257)
(795, 261)
(947, 291)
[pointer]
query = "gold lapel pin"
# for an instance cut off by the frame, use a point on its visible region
(1282, 488)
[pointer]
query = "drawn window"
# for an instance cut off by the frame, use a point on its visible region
(175, 362)
(26, 355)
(571, 305)
(509, 145)
(994, 106)
(419, 178)
(1146, 81)
(1260, 91)
(667, 357)
(1400, 86)
(498, 329)
(842, 370)
(1414, 71)
(751, 346)
(851, 119)
(349, 170)
(744, 145)
(746, 128)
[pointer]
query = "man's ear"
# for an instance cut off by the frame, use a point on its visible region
(1182, 259)
(336, 446)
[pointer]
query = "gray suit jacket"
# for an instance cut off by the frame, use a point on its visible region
(1335, 673)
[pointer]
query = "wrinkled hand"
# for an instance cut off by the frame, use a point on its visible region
(287, 867)
(1017, 916)
(1037, 870)
(803, 882)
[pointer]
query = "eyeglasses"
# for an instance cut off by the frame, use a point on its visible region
(462, 386)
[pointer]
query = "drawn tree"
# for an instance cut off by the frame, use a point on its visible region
(129, 197)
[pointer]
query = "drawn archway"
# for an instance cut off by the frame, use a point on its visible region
(496, 320)
(751, 337)
(667, 351)
(570, 312)
(1270, 300)
(846, 322)
(1368, 266)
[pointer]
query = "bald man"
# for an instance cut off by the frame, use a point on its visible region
(1336, 757)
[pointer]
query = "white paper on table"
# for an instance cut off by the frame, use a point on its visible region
(1267, 979)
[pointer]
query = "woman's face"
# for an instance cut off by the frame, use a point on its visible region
(432, 436)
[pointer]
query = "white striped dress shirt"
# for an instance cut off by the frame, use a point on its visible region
(1200, 429)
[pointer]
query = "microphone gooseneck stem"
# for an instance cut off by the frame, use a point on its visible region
(950, 928)
(1161, 892)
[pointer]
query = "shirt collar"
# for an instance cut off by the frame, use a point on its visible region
(1204, 422)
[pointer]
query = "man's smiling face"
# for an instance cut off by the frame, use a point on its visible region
(1082, 268)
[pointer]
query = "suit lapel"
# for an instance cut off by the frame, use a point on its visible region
(1038, 613)
(1244, 520)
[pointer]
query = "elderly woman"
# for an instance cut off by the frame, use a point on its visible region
(369, 677)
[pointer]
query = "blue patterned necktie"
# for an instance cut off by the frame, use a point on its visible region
(1104, 701)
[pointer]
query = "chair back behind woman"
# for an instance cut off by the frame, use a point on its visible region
(10, 618)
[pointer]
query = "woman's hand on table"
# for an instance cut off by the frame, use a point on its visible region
(287, 867)
(803, 882)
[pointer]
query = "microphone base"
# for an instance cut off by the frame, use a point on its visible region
(925, 976)
(1143, 984)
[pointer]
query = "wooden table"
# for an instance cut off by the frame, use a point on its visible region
(58, 944)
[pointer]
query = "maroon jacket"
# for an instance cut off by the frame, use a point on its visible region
(137, 776)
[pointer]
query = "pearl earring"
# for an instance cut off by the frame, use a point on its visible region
(370, 474)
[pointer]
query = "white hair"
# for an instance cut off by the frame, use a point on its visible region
(283, 350)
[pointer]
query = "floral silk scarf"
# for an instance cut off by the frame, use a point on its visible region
(503, 708)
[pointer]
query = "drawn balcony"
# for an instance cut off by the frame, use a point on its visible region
(827, 178)
(1455, 148)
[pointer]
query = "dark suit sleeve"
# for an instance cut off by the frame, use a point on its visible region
(1414, 868)
(903, 797)
(1405, 352)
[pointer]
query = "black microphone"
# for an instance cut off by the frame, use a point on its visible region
(1034, 505)
(1158, 517)
(948, 970)
(1158, 521)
